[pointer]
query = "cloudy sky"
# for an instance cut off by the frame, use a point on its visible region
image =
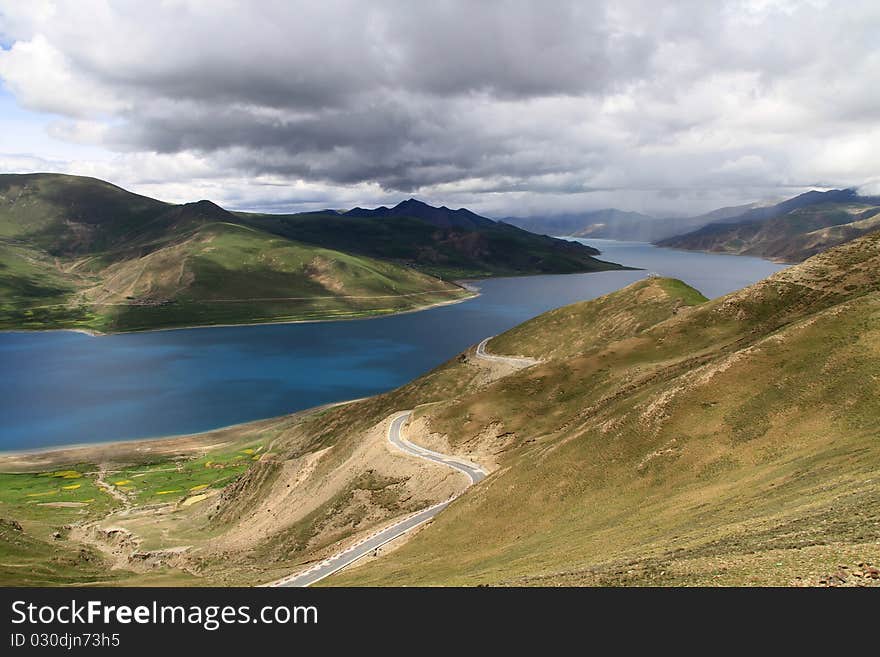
(506, 107)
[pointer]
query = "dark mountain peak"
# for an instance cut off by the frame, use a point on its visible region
(412, 203)
(198, 212)
(412, 208)
(204, 208)
(204, 204)
(814, 196)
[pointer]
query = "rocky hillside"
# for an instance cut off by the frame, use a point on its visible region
(732, 441)
(790, 231)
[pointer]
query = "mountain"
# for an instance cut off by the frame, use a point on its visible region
(575, 223)
(82, 253)
(78, 252)
(726, 212)
(441, 217)
(443, 242)
(789, 231)
(616, 224)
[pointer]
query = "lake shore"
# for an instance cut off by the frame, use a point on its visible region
(56, 456)
(366, 315)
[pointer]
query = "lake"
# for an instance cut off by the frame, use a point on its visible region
(61, 387)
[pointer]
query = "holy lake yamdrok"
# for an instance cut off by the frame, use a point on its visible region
(62, 387)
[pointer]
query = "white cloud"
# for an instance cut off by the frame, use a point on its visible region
(42, 78)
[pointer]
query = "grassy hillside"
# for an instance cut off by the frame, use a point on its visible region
(450, 251)
(791, 231)
(225, 273)
(67, 215)
(572, 329)
(736, 442)
(81, 253)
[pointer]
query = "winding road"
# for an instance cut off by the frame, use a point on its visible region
(518, 361)
(373, 542)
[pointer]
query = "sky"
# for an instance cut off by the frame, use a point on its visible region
(508, 108)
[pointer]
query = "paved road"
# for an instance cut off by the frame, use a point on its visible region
(518, 361)
(395, 437)
(368, 545)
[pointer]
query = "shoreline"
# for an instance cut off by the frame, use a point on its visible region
(464, 283)
(160, 440)
(473, 293)
(775, 261)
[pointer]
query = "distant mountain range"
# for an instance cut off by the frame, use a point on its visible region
(441, 217)
(790, 231)
(614, 224)
(78, 252)
(440, 241)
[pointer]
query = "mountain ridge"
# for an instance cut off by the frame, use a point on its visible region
(82, 253)
(612, 223)
(790, 231)
(78, 252)
(444, 242)
(441, 216)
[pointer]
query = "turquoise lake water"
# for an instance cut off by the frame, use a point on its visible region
(61, 387)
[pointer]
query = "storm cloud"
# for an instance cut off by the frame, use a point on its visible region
(512, 107)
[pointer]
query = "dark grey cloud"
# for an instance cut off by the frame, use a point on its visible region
(377, 93)
(465, 98)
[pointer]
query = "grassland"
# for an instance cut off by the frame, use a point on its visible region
(48, 516)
